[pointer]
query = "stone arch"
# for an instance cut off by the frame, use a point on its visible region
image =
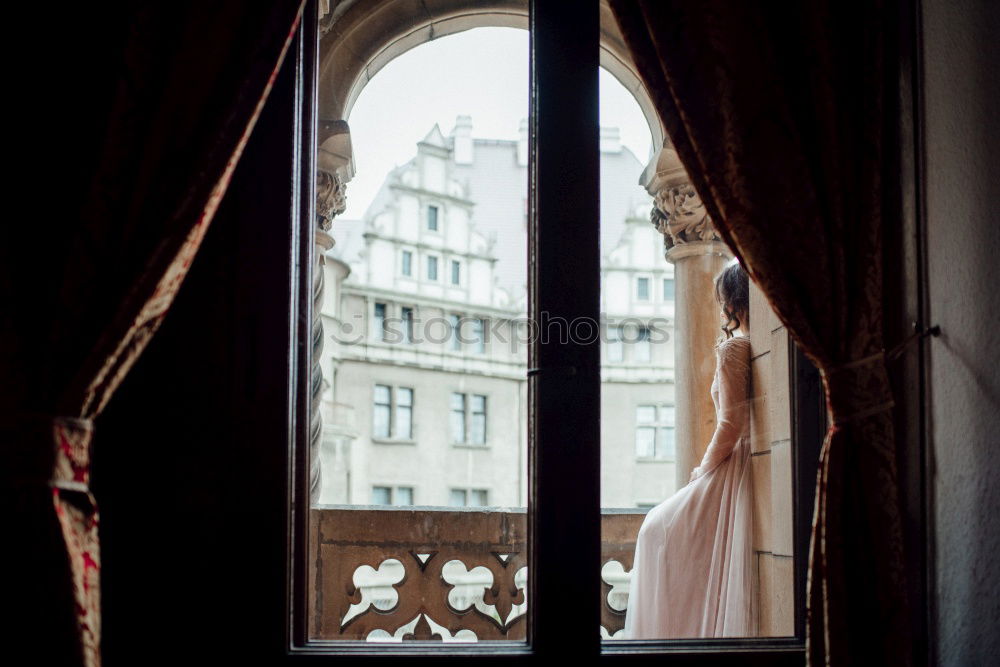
(359, 37)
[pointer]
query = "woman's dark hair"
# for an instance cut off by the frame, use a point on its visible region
(732, 290)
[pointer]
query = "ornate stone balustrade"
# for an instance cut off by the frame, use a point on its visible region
(395, 574)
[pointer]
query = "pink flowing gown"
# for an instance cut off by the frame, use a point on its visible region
(692, 575)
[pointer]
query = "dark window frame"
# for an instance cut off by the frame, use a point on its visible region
(564, 380)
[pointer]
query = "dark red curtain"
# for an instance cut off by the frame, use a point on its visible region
(138, 113)
(777, 110)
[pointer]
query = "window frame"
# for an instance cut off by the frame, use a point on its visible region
(563, 380)
(394, 406)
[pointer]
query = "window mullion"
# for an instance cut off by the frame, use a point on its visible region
(564, 289)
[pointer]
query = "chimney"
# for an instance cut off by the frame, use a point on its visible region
(611, 141)
(522, 143)
(462, 135)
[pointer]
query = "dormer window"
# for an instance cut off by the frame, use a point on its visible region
(432, 218)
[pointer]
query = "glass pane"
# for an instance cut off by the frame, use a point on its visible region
(658, 416)
(457, 498)
(404, 495)
(435, 231)
(644, 437)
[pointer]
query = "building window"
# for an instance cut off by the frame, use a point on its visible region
(456, 272)
(407, 267)
(468, 419)
(456, 332)
(388, 495)
(469, 498)
(642, 289)
(654, 432)
(616, 348)
(392, 413)
(378, 328)
(432, 218)
(479, 335)
(406, 314)
(432, 268)
(642, 350)
(668, 289)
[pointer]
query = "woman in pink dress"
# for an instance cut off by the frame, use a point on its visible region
(692, 575)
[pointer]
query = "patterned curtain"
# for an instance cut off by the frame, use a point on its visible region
(777, 111)
(172, 92)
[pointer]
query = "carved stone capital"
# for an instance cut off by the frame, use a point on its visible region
(334, 168)
(331, 198)
(678, 212)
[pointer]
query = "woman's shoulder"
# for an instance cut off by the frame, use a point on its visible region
(736, 342)
(737, 347)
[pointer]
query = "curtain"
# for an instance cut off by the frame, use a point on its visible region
(778, 112)
(151, 105)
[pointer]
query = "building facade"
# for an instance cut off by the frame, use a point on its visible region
(425, 314)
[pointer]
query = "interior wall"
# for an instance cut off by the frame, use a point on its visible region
(962, 141)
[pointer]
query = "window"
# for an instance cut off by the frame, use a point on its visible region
(642, 350)
(378, 324)
(615, 347)
(668, 289)
(407, 265)
(642, 289)
(479, 335)
(455, 321)
(456, 272)
(406, 314)
(432, 268)
(388, 495)
(469, 498)
(654, 432)
(468, 419)
(392, 413)
(432, 218)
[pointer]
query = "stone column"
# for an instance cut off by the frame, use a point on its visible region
(334, 168)
(698, 254)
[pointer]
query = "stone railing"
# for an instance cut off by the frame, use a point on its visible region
(395, 574)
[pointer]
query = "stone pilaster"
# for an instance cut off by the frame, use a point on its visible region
(334, 168)
(698, 254)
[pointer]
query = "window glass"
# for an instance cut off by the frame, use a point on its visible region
(381, 411)
(642, 348)
(378, 326)
(455, 325)
(407, 324)
(457, 498)
(403, 495)
(478, 420)
(404, 413)
(407, 267)
(456, 272)
(642, 289)
(457, 417)
(432, 268)
(381, 495)
(615, 347)
(668, 289)
(479, 498)
(479, 335)
(432, 218)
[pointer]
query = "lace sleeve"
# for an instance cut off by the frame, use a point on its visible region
(733, 418)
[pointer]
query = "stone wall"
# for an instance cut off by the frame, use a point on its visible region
(770, 424)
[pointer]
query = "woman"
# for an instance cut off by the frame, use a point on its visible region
(692, 572)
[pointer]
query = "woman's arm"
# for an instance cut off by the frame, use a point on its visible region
(732, 420)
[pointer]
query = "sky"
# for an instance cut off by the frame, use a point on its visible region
(482, 73)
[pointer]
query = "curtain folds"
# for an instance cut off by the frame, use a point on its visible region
(777, 111)
(172, 96)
